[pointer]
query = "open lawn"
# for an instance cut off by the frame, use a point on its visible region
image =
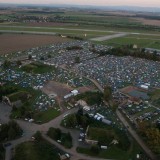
(37, 68)
(155, 94)
(46, 116)
(36, 151)
(21, 95)
(10, 43)
(141, 41)
(114, 152)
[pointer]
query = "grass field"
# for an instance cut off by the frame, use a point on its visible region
(36, 151)
(37, 68)
(141, 41)
(114, 152)
(46, 116)
(155, 95)
(60, 30)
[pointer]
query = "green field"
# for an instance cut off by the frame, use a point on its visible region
(46, 116)
(114, 152)
(37, 68)
(155, 94)
(36, 151)
(141, 41)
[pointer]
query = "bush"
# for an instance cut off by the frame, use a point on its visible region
(10, 131)
(95, 149)
(54, 133)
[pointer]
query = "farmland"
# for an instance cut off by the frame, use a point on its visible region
(10, 43)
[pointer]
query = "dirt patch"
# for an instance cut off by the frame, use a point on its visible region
(10, 43)
(128, 89)
(148, 21)
(57, 88)
(85, 89)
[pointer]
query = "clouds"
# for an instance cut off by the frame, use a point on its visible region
(148, 3)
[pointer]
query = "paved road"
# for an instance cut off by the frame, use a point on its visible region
(136, 136)
(31, 128)
(108, 37)
(75, 155)
(4, 113)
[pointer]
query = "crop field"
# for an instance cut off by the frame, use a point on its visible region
(148, 21)
(140, 40)
(10, 43)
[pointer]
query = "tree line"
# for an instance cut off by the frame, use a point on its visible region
(127, 50)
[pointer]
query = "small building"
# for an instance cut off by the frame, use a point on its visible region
(108, 122)
(86, 108)
(82, 103)
(144, 87)
(68, 96)
(135, 46)
(74, 92)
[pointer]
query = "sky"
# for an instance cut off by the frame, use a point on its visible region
(142, 3)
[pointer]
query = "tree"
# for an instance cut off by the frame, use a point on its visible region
(11, 133)
(42, 58)
(142, 127)
(19, 63)
(77, 59)
(54, 133)
(29, 56)
(153, 139)
(114, 106)
(38, 136)
(71, 121)
(6, 64)
(49, 56)
(95, 149)
(84, 121)
(107, 93)
(2, 151)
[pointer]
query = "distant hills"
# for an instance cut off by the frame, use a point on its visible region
(110, 8)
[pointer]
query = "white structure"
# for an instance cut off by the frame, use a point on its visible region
(144, 86)
(106, 121)
(103, 147)
(86, 108)
(100, 115)
(74, 92)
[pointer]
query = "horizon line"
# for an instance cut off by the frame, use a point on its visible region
(92, 5)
